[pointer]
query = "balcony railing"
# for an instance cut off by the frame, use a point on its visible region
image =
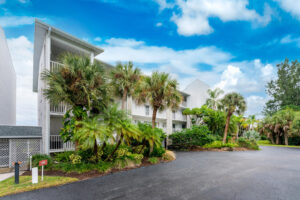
(57, 145)
(54, 66)
(61, 108)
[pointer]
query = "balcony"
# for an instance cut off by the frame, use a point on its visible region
(59, 109)
(178, 116)
(57, 144)
(54, 66)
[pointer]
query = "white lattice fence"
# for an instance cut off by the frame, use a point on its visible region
(22, 149)
(4, 152)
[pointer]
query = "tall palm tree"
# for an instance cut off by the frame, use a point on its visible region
(213, 101)
(90, 133)
(251, 121)
(232, 103)
(124, 80)
(160, 91)
(79, 83)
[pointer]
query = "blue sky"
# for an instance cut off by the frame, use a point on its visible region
(231, 44)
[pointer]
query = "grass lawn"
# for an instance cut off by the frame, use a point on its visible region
(8, 186)
(267, 143)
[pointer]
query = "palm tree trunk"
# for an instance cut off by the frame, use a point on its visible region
(96, 151)
(116, 148)
(154, 116)
(272, 139)
(277, 138)
(286, 139)
(226, 127)
(124, 98)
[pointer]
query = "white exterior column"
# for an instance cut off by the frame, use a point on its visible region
(92, 57)
(45, 102)
(169, 121)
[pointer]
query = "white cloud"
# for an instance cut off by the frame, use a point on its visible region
(255, 105)
(159, 24)
(10, 21)
(292, 6)
(2, 2)
(163, 4)
(98, 39)
(24, 1)
(21, 50)
(289, 39)
(193, 16)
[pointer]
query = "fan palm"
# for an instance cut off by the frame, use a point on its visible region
(90, 133)
(79, 83)
(213, 100)
(150, 136)
(160, 91)
(124, 80)
(232, 103)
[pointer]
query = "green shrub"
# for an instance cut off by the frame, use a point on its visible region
(121, 152)
(109, 148)
(195, 136)
(104, 166)
(158, 152)
(38, 157)
(219, 144)
(263, 142)
(75, 159)
(153, 160)
(137, 158)
(249, 144)
(63, 156)
(263, 137)
(85, 155)
(251, 135)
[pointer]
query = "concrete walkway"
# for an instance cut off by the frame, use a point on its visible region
(272, 173)
(6, 176)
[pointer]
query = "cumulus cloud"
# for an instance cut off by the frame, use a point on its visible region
(290, 6)
(10, 21)
(255, 105)
(21, 50)
(192, 16)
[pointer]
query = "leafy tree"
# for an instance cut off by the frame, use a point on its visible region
(160, 91)
(213, 101)
(232, 103)
(124, 80)
(251, 120)
(285, 90)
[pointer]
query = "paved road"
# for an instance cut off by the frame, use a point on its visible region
(272, 173)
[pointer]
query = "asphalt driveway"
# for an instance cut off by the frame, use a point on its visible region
(272, 173)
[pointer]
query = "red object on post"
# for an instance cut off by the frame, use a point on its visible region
(43, 162)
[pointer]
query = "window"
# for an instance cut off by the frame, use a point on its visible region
(183, 126)
(164, 125)
(174, 127)
(147, 110)
(174, 114)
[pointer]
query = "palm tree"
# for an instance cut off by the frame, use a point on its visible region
(90, 133)
(232, 103)
(79, 83)
(160, 91)
(251, 121)
(124, 80)
(149, 135)
(213, 101)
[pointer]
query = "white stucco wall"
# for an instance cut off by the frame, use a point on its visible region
(198, 93)
(7, 84)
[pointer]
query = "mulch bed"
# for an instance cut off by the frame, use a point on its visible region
(89, 174)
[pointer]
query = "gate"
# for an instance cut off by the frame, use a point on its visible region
(4, 153)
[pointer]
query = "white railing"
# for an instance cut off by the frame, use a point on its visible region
(61, 108)
(54, 66)
(178, 116)
(57, 144)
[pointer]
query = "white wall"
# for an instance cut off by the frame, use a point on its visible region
(7, 84)
(198, 94)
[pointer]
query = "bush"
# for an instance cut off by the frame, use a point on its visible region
(63, 156)
(75, 159)
(195, 136)
(85, 155)
(158, 152)
(219, 144)
(251, 135)
(263, 137)
(263, 142)
(153, 160)
(137, 158)
(38, 157)
(249, 144)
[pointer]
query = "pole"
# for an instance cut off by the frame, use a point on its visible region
(30, 163)
(42, 172)
(17, 173)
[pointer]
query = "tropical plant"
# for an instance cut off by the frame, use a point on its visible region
(251, 120)
(91, 133)
(79, 83)
(213, 100)
(150, 136)
(232, 103)
(160, 91)
(251, 134)
(124, 80)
